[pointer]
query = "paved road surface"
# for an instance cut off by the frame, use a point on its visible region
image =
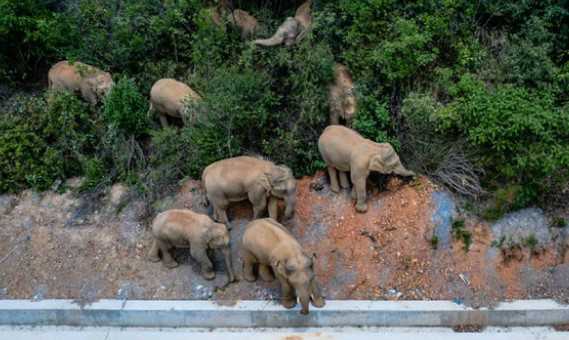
(70, 333)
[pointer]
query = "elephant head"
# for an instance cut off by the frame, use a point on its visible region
(386, 161)
(280, 183)
(101, 84)
(286, 33)
(217, 237)
(299, 272)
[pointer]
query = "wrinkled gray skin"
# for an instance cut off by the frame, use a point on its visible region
(184, 228)
(260, 181)
(270, 246)
(91, 82)
(292, 30)
(344, 150)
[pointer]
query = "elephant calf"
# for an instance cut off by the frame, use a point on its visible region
(341, 97)
(168, 97)
(345, 150)
(270, 245)
(185, 228)
(240, 178)
(92, 83)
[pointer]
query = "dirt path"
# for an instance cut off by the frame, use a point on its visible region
(56, 246)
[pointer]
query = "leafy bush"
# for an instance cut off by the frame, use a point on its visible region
(126, 109)
(520, 136)
(45, 139)
(234, 115)
(31, 34)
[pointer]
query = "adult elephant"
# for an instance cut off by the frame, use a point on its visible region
(93, 83)
(260, 181)
(344, 150)
(268, 245)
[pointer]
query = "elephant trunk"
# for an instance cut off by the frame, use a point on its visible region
(227, 257)
(272, 41)
(304, 298)
(290, 202)
(401, 171)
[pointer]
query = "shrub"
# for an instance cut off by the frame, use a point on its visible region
(519, 135)
(126, 109)
(373, 121)
(45, 139)
(233, 116)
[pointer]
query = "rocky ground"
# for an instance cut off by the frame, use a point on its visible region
(56, 245)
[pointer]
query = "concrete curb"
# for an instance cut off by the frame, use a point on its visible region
(244, 314)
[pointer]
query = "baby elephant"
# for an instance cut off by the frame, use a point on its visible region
(184, 228)
(270, 245)
(168, 97)
(92, 83)
(240, 178)
(345, 150)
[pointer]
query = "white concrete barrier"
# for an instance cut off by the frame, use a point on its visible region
(352, 313)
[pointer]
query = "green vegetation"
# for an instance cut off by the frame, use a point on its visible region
(459, 232)
(473, 94)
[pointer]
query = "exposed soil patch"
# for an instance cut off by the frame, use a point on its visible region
(51, 246)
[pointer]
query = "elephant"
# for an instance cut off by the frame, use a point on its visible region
(271, 246)
(245, 22)
(341, 97)
(292, 30)
(244, 177)
(184, 228)
(345, 150)
(168, 97)
(91, 82)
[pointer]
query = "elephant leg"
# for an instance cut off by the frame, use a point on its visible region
(333, 179)
(249, 261)
(265, 272)
(334, 118)
(154, 253)
(200, 255)
(167, 259)
(316, 295)
(273, 208)
(259, 204)
(288, 299)
(220, 205)
(359, 181)
(163, 120)
(344, 183)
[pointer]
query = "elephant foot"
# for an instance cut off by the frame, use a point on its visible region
(288, 302)
(249, 277)
(335, 189)
(208, 274)
(318, 302)
(153, 259)
(170, 265)
(361, 207)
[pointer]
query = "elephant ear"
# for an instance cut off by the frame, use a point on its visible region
(282, 267)
(279, 175)
(384, 160)
(265, 182)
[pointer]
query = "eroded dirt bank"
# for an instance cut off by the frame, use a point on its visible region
(57, 246)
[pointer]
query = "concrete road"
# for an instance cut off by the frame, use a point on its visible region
(102, 333)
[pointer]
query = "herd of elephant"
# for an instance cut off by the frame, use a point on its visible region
(267, 247)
